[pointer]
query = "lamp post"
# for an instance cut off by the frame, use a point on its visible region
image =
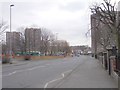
(56, 48)
(10, 36)
(56, 36)
(118, 37)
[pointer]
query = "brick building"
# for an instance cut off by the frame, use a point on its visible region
(14, 39)
(101, 36)
(33, 39)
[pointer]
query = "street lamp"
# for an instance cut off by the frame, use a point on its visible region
(10, 36)
(56, 36)
(118, 36)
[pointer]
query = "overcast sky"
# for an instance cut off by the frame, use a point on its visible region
(69, 18)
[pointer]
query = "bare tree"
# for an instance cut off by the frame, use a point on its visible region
(4, 48)
(46, 41)
(47, 37)
(62, 46)
(106, 13)
(103, 35)
(22, 42)
(3, 27)
(106, 29)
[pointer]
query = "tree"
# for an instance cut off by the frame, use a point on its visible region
(22, 44)
(47, 38)
(3, 27)
(106, 31)
(4, 48)
(102, 34)
(108, 15)
(62, 46)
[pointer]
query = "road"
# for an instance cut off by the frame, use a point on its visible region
(41, 74)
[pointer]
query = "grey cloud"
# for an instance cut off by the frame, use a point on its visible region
(63, 20)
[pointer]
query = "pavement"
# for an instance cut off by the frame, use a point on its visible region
(69, 72)
(91, 74)
(16, 62)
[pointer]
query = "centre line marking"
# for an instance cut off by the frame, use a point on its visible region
(11, 73)
(51, 82)
(22, 70)
(35, 67)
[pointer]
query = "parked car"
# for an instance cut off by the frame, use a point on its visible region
(27, 57)
(5, 59)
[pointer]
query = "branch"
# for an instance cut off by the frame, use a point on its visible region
(3, 27)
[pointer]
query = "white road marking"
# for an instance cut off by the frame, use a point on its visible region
(32, 68)
(11, 73)
(63, 75)
(23, 70)
(51, 82)
(35, 67)
(67, 71)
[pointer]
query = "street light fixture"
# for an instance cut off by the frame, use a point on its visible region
(10, 36)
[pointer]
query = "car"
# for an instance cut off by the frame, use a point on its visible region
(5, 59)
